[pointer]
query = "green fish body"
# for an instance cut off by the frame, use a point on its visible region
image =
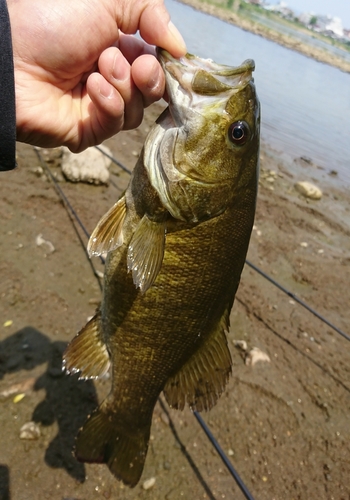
(176, 242)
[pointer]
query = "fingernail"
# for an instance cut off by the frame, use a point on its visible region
(121, 68)
(154, 79)
(105, 89)
(177, 37)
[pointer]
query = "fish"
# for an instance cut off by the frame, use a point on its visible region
(176, 243)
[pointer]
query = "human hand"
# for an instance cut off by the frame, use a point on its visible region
(79, 75)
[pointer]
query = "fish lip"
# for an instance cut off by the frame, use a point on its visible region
(184, 89)
(191, 61)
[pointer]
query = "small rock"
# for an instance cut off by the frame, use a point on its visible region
(149, 483)
(46, 244)
(38, 171)
(18, 397)
(309, 190)
(304, 244)
(89, 166)
(30, 431)
(306, 159)
(255, 355)
(23, 387)
(241, 344)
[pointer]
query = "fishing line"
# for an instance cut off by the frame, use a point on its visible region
(223, 457)
(204, 426)
(301, 302)
(65, 200)
(114, 160)
(262, 273)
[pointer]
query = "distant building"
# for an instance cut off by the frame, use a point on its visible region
(328, 25)
(306, 17)
(346, 34)
(282, 9)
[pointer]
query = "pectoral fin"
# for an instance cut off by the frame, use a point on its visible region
(146, 252)
(202, 380)
(108, 234)
(87, 353)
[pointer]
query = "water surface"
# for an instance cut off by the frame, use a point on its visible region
(305, 103)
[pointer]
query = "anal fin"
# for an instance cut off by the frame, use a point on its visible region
(108, 234)
(146, 252)
(202, 380)
(87, 353)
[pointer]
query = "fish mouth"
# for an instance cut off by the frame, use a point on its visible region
(191, 79)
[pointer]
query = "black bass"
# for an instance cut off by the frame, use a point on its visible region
(176, 242)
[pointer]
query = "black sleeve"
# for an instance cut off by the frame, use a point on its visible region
(7, 94)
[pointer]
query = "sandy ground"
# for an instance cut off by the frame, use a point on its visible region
(284, 423)
(280, 38)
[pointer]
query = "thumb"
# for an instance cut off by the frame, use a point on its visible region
(153, 22)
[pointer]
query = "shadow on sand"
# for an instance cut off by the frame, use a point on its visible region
(68, 401)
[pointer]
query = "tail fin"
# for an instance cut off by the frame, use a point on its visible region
(104, 439)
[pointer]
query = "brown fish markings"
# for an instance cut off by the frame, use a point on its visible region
(182, 228)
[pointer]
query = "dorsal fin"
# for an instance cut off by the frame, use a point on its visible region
(108, 234)
(87, 353)
(202, 380)
(146, 252)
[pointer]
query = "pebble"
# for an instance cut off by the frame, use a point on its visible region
(149, 483)
(18, 397)
(23, 387)
(30, 431)
(255, 355)
(304, 244)
(241, 344)
(46, 244)
(308, 190)
(90, 166)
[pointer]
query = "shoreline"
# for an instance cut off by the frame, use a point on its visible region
(287, 41)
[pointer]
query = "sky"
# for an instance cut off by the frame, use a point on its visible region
(339, 8)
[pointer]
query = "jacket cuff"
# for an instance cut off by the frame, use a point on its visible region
(7, 94)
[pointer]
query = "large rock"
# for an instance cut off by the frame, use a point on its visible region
(309, 190)
(89, 166)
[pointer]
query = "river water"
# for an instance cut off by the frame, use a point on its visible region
(305, 104)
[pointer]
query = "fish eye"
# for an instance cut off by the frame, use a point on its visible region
(238, 133)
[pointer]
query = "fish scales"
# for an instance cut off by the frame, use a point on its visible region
(177, 242)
